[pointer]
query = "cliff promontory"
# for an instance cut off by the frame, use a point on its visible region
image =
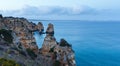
(18, 45)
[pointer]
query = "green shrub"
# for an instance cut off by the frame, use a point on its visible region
(5, 62)
(7, 35)
(31, 53)
(52, 49)
(20, 51)
(23, 53)
(20, 46)
(56, 63)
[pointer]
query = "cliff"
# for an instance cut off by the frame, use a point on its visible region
(18, 43)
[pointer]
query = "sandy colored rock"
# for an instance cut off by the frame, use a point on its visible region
(50, 29)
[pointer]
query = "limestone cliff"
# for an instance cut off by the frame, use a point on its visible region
(18, 43)
(21, 31)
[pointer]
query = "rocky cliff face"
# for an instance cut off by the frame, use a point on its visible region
(22, 31)
(22, 46)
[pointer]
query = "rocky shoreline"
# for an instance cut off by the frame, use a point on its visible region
(22, 45)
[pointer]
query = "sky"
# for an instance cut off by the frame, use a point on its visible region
(62, 9)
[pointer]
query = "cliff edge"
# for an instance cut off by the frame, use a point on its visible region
(18, 43)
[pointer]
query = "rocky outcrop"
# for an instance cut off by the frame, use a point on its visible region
(40, 27)
(65, 53)
(32, 26)
(61, 53)
(49, 42)
(50, 29)
(21, 31)
(23, 48)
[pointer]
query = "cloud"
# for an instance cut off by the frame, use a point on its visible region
(52, 10)
(44, 10)
(57, 12)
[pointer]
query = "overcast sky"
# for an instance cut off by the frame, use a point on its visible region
(62, 9)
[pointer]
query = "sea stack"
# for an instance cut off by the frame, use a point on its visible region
(50, 29)
(49, 40)
(40, 27)
(60, 52)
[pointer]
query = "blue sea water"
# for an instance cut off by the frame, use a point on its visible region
(96, 43)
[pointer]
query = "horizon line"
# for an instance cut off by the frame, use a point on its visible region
(67, 20)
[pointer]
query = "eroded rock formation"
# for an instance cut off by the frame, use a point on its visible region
(61, 52)
(40, 27)
(22, 31)
(50, 29)
(22, 46)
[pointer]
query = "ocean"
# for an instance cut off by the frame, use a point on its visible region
(96, 43)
